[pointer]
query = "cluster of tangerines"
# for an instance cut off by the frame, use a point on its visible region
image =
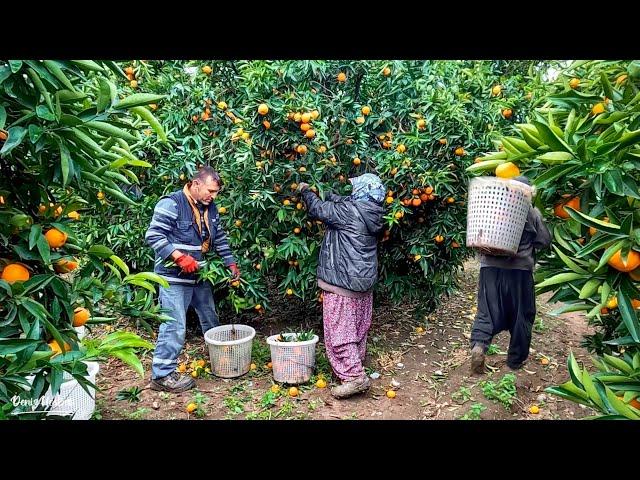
(417, 198)
(295, 391)
(131, 75)
(206, 112)
(506, 113)
(197, 368)
(14, 271)
(305, 122)
(630, 265)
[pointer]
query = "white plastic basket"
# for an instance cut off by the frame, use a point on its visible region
(496, 215)
(81, 331)
(293, 362)
(230, 349)
(72, 399)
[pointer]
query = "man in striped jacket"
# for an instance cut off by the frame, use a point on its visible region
(184, 226)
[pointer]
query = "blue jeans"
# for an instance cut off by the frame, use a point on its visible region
(176, 299)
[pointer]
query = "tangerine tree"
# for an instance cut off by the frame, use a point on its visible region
(580, 147)
(267, 126)
(67, 145)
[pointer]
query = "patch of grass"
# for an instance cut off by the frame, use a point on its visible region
(504, 391)
(260, 351)
(494, 349)
(539, 326)
(474, 412)
(234, 405)
(285, 410)
(323, 367)
(313, 405)
(138, 414)
(200, 399)
(462, 396)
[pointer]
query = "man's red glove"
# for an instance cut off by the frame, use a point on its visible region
(187, 263)
(235, 271)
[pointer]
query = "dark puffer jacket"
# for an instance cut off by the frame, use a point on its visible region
(349, 251)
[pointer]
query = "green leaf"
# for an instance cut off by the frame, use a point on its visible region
(100, 251)
(620, 406)
(111, 130)
(15, 137)
(590, 388)
(568, 394)
(3, 116)
(43, 249)
(15, 65)
(613, 181)
(589, 288)
(42, 111)
(552, 174)
(147, 116)
(36, 309)
(115, 271)
(89, 65)
(139, 163)
(574, 371)
(70, 120)
(617, 363)
(484, 166)
(629, 316)
(118, 194)
(57, 72)
(596, 223)
(594, 245)
(153, 277)
(609, 252)
(65, 163)
(606, 86)
(553, 158)
(630, 187)
(37, 282)
(130, 359)
(604, 294)
(573, 266)
(138, 99)
(628, 139)
(36, 231)
(550, 138)
(87, 141)
(104, 95)
(143, 284)
(14, 345)
(124, 153)
(560, 278)
(66, 96)
(118, 261)
(35, 132)
(577, 307)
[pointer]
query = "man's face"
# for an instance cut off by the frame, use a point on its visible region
(205, 192)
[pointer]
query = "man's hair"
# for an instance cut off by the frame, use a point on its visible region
(205, 172)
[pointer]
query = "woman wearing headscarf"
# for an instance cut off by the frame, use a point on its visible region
(347, 273)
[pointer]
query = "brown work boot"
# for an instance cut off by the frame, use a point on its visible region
(352, 387)
(477, 359)
(173, 383)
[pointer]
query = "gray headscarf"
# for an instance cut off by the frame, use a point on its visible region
(368, 187)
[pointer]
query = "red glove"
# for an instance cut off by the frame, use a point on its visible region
(187, 263)
(235, 271)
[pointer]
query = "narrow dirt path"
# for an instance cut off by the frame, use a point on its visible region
(428, 369)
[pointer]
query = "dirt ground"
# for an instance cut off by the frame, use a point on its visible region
(428, 370)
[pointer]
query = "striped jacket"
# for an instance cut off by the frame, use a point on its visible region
(173, 227)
